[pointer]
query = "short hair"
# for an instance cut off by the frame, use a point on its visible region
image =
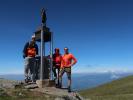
(57, 49)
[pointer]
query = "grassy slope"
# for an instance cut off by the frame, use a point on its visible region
(121, 89)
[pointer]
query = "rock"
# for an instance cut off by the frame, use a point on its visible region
(31, 86)
(55, 93)
(42, 83)
(7, 83)
(60, 94)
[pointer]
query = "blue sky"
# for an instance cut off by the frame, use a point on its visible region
(98, 32)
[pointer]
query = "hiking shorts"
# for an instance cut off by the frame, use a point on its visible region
(67, 70)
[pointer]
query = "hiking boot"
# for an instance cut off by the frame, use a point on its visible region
(56, 85)
(26, 80)
(59, 86)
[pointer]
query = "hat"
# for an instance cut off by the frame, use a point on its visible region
(33, 36)
(65, 48)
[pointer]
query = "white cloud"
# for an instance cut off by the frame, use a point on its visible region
(101, 69)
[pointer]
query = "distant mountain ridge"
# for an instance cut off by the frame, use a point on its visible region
(81, 81)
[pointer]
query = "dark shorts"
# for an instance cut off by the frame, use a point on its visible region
(67, 70)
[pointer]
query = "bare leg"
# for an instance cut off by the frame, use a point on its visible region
(60, 80)
(60, 77)
(69, 81)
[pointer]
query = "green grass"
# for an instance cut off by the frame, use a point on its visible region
(121, 89)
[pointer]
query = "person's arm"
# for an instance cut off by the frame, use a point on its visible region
(74, 61)
(62, 62)
(36, 49)
(25, 48)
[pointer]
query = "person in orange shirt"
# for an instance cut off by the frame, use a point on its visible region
(68, 60)
(29, 52)
(56, 64)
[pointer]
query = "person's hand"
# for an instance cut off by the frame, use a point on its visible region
(57, 64)
(61, 68)
(69, 65)
(37, 56)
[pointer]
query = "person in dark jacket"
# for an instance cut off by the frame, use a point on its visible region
(29, 52)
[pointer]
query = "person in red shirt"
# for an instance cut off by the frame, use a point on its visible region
(68, 60)
(56, 64)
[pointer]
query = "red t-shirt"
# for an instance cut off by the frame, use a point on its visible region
(57, 60)
(67, 60)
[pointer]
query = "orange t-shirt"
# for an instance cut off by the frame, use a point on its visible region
(67, 60)
(31, 52)
(57, 59)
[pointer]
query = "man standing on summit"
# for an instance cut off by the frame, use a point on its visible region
(29, 52)
(68, 60)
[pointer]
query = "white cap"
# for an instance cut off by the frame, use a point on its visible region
(33, 36)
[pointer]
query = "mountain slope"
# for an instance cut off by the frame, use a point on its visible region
(121, 89)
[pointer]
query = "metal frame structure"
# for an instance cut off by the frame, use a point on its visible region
(44, 35)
